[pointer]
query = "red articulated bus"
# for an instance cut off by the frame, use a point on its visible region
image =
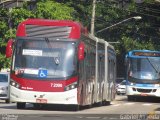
(59, 62)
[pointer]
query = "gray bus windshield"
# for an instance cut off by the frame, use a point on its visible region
(3, 77)
(44, 59)
(144, 68)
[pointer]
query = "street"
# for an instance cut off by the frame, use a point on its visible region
(118, 109)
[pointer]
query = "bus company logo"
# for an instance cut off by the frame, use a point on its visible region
(56, 85)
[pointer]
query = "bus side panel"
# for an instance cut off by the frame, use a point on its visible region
(87, 73)
(111, 73)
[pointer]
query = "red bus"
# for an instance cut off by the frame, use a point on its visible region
(59, 62)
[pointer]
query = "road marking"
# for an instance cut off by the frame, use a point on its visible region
(132, 103)
(116, 105)
(92, 117)
(129, 103)
(147, 104)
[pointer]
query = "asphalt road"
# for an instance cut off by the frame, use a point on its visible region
(140, 109)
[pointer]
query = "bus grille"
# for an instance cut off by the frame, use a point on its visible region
(3, 95)
(144, 90)
(48, 31)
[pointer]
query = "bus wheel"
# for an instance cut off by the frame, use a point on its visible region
(105, 103)
(130, 98)
(75, 107)
(36, 106)
(7, 101)
(21, 105)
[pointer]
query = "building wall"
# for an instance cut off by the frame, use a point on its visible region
(12, 3)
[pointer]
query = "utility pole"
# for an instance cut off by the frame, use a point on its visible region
(125, 20)
(93, 17)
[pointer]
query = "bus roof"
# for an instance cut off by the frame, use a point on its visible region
(51, 28)
(143, 53)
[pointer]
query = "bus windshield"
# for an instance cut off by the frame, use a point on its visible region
(145, 68)
(3, 77)
(44, 59)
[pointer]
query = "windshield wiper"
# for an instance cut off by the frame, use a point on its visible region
(56, 60)
(153, 65)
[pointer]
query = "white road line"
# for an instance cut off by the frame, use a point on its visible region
(129, 103)
(116, 105)
(147, 104)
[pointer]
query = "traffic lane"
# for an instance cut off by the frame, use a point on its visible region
(119, 106)
(62, 117)
(141, 102)
(83, 117)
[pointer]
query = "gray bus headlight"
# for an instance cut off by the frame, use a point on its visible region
(15, 84)
(71, 86)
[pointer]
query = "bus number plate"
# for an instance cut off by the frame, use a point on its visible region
(41, 100)
(144, 94)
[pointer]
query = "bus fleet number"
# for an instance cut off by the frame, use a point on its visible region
(56, 85)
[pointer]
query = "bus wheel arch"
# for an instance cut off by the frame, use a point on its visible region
(92, 96)
(81, 96)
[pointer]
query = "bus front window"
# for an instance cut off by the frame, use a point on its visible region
(55, 59)
(145, 68)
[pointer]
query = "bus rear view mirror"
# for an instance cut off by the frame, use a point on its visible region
(81, 53)
(9, 48)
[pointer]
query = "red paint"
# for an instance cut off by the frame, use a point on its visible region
(81, 53)
(9, 48)
(42, 85)
(76, 30)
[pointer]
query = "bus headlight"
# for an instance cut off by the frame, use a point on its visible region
(130, 83)
(157, 85)
(15, 84)
(71, 86)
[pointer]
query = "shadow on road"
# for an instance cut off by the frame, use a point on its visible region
(8, 106)
(49, 107)
(145, 99)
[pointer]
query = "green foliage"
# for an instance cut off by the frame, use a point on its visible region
(131, 44)
(3, 29)
(10, 18)
(10, 33)
(53, 10)
(18, 15)
(131, 35)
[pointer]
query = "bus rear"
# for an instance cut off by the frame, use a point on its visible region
(143, 73)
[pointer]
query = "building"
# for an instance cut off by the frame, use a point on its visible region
(12, 3)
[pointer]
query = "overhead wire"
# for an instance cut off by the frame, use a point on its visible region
(144, 14)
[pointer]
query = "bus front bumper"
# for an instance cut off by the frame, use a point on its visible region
(145, 91)
(66, 97)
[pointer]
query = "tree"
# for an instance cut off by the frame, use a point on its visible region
(53, 10)
(43, 9)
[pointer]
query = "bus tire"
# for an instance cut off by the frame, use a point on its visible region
(76, 107)
(21, 105)
(130, 98)
(105, 103)
(36, 106)
(7, 101)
